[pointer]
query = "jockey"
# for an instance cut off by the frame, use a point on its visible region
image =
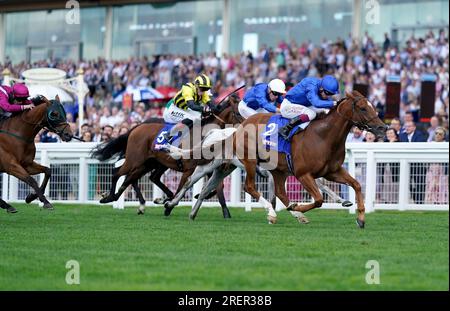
(306, 99)
(14, 99)
(188, 104)
(261, 98)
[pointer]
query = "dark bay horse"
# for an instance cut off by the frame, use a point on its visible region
(17, 147)
(318, 151)
(141, 158)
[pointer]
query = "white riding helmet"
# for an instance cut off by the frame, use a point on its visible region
(277, 85)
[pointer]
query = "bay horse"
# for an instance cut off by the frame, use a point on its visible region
(18, 150)
(141, 158)
(318, 151)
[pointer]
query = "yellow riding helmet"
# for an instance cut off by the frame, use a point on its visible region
(203, 81)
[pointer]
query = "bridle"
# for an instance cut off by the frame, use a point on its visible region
(363, 125)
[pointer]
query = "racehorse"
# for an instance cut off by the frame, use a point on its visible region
(140, 156)
(17, 147)
(318, 151)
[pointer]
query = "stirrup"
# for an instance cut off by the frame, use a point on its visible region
(284, 131)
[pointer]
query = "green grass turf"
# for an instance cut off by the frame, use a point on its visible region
(118, 250)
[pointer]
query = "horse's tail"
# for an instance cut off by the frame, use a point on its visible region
(107, 150)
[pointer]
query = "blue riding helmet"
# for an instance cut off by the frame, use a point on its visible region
(330, 84)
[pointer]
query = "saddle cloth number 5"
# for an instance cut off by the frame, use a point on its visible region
(161, 137)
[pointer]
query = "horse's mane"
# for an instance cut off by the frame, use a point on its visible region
(154, 120)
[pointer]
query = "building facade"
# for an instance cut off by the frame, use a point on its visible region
(123, 29)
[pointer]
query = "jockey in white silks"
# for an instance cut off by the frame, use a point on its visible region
(302, 103)
(262, 97)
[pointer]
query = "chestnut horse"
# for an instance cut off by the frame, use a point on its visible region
(141, 158)
(17, 147)
(318, 151)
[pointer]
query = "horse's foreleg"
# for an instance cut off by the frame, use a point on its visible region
(222, 201)
(212, 183)
(34, 169)
(196, 175)
(250, 188)
(343, 177)
(19, 172)
(310, 185)
(334, 196)
(279, 180)
(168, 205)
(7, 207)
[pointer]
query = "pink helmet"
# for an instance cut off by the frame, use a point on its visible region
(20, 91)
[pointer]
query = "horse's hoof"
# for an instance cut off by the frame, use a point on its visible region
(30, 198)
(11, 210)
(303, 220)
(167, 211)
(347, 203)
(227, 216)
(360, 223)
(105, 200)
(48, 206)
(139, 212)
(272, 220)
(191, 217)
(104, 195)
(158, 201)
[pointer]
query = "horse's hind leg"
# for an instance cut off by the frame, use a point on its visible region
(133, 176)
(117, 173)
(7, 207)
(343, 177)
(19, 172)
(155, 177)
(309, 183)
(279, 180)
(34, 169)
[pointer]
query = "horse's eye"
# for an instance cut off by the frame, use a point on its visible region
(363, 109)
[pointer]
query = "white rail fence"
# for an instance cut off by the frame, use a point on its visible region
(397, 176)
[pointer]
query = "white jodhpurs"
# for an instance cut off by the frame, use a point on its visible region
(247, 112)
(290, 110)
(173, 114)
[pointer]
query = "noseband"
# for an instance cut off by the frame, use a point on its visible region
(363, 125)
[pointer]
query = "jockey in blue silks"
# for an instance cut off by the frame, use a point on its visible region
(306, 99)
(262, 97)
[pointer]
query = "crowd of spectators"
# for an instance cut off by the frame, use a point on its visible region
(351, 61)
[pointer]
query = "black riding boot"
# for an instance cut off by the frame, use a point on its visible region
(285, 130)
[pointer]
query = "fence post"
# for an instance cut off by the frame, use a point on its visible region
(5, 187)
(352, 172)
(83, 180)
(370, 181)
(235, 188)
(404, 182)
(120, 203)
(196, 189)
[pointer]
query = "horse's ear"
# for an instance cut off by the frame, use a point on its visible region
(357, 94)
(349, 95)
(57, 98)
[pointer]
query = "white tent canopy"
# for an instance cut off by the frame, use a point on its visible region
(50, 92)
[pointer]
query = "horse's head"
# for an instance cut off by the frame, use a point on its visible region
(55, 119)
(228, 110)
(356, 108)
